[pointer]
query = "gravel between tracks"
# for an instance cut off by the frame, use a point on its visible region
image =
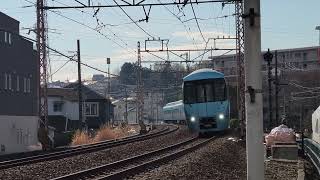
(220, 159)
(209, 162)
(51, 169)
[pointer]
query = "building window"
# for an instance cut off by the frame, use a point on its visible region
(5, 81)
(91, 109)
(9, 82)
(9, 38)
(18, 83)
(304, 56)
(28, 85)
(24, 84)
(297, 55)
(57, 106)
(6, 37)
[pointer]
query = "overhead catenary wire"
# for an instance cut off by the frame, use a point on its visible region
(133, 20)
(194, 14)
(85, 25)
(184, 25)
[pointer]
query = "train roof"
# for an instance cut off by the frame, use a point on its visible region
(203, 74)
(173, 105)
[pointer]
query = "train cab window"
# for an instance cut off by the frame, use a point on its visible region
(200, 93)
(209, 92)
(189, 93)
(220, 90)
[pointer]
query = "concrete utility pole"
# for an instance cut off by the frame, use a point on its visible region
(81, 119)
(276, 88)
(253, 96)
(109, 96)
(126, 101)
(318, 28)
(268, 57)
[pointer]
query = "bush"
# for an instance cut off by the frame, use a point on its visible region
(104, 133)
(80, 138)
(234, 123)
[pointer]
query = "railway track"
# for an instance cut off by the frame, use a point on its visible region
(136, 164)
(83, 149)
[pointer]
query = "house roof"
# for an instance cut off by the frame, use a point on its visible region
(66, 93)
(87, 92)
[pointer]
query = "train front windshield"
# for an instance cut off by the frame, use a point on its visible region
(202, 91)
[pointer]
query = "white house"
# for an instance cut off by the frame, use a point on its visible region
(63, 108)
(120, 110)
(152, 108)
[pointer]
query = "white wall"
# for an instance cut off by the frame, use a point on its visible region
(69, 108)
(51, 101)
(18, 133)
(132, 119)
(316, 125)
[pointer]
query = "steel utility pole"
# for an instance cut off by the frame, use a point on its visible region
(240, 62)
(42, 85)
(268, 57)
(80, 101)
(140, 98)
(253, 95)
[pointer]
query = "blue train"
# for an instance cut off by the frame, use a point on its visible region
(173, 112)
(205, 99)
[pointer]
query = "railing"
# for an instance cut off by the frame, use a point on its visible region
(312, 150)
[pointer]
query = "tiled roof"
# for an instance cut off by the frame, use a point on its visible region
(88, 92)
(66, 93)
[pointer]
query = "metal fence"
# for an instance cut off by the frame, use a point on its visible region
(312, 150)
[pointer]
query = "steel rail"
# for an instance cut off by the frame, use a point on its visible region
(82, 149)
(105, 171)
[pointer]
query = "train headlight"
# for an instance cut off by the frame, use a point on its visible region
(221, 116)
(193, 119)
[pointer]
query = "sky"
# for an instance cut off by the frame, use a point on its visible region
(284, 24)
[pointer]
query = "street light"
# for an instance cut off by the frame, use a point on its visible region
(318, 28)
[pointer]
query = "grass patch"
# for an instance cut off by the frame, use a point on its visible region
(104, 133)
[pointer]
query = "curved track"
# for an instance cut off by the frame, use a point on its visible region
(134, 165)
(83, 149)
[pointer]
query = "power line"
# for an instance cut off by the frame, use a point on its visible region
(60, 53)
(194, 14)
(184, 25)
(60, 68)
(132, 19)
(80, 23)
(214, 18)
